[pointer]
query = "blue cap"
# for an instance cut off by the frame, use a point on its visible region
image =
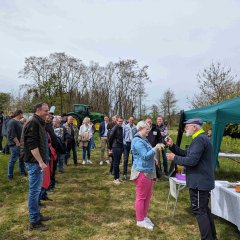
(197, 121)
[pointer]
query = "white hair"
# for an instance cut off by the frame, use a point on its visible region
(198, 127)
(86, 120)
(141, 125)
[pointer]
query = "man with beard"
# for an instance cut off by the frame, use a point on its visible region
(197, 159)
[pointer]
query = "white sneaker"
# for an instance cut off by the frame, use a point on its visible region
(89, 162)
(144, 224)
(101, 163)
(108, 162)
(116, 181)
(83, 162)
(148, 220)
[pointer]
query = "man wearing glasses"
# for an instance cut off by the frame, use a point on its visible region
(197, 159)
(116, 145)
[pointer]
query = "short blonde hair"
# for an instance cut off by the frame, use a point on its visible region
(141, 125)
(86, 120)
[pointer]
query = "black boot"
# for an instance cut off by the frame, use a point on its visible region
(38, 226)
(44, 219)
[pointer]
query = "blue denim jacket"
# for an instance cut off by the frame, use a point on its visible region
(143, 154)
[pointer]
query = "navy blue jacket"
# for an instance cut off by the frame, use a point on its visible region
(197, 159)
(102, 129)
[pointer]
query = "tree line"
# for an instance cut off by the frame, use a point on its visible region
(64, 80)
(116, 88)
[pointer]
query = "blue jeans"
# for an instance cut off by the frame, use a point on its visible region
(61, 160)
(35, 177)
(88, 150)
(15, 152)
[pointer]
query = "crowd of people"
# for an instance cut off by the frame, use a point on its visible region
(43, 145)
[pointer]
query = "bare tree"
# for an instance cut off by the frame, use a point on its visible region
(63, 80)
(168, 105)
(216, 84)
(129, 82)
(154, 112)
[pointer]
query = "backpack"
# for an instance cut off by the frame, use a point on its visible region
(83, 137)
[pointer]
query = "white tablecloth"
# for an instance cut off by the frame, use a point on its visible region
(174, 189)
(230, 155)
(225, 203)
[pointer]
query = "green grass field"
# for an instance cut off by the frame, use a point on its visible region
(86, 205)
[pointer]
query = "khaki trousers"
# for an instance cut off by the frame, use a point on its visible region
(104, 144)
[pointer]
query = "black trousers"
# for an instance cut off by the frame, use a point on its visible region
(158, 170)
(199, 204)
(72, 146)
(1, 139)
(111, 166)
(126, 151)
(53, 175)
(117, 154)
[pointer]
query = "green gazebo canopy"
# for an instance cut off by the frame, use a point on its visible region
(219, 115)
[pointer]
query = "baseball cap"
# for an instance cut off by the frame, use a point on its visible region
(197, 121)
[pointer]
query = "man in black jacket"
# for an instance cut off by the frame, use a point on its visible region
(164, 132)
(35, 147)
(116, 145)
(154, 137)
(197, 159)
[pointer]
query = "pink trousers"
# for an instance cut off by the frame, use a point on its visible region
(143, 195)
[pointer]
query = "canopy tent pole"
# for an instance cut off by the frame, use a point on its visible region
(172, 169)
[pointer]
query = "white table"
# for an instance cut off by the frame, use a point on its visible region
(175, 186)
(225, 203)
(229, 155)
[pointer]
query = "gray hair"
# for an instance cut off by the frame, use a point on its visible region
(56, 120)
(141, 125)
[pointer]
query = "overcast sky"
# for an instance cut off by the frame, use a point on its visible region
(175, 38)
